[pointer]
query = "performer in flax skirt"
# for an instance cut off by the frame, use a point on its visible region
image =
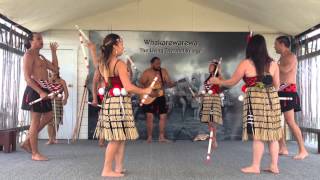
(116, 123)
(211, 103)
(98, 91)
(57, 106)
(261, 106)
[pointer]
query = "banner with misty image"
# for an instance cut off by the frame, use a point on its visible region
(184, 55)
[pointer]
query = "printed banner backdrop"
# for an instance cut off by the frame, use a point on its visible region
(184, 55)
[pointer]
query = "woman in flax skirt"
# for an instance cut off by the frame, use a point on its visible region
(211, 102)
(116, 123)
(261, 108)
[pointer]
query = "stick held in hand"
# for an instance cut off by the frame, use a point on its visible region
(82, 33)
(146, 96)
(40, 99)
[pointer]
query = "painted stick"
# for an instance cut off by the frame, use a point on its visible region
(55, 116)
(240, 98)
(210, 145)
(285, 98)
(99, 105)
(40, 99)
(84, 51)
(216, 70)
(82, 33)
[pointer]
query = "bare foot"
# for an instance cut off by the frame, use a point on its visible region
(26, 146)
(50, 142)
(149, 140)
(283, 152)
(112, 174)
(101, 143)
(274, 170)
(122, 171)
(250, 170)
(164, 140)
(39, 157)
(302, 155)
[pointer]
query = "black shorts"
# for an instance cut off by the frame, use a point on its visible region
(31, 95)
(287, 105)
(158, 106)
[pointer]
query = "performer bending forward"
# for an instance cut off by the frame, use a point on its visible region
(211, 103)
(261, 106)
(116, 123)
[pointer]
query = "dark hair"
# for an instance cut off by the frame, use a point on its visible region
(258, 53)
(212, 73)
(154, 59)
(27, 42)
(284, 40)
(107, 47)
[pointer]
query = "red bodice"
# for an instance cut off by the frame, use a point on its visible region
(215, 89)
(114, 82)
(250, 81)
